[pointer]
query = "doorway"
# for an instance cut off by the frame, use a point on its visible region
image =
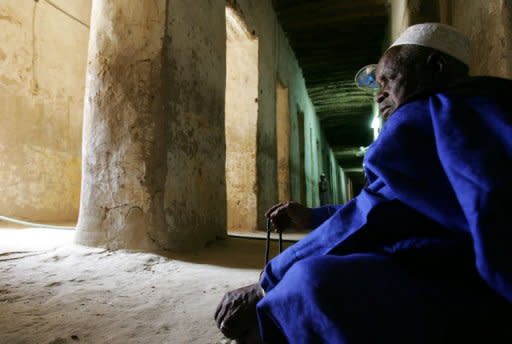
(283, 142)
(241, 116)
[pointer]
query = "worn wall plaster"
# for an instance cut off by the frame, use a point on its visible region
(42, 76)
(154, 160)
(283, 123)
(241, 120)
(195, 189)
(488, 25)
(124, 156)
(278, 62)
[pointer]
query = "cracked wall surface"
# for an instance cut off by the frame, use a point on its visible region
(124, 127)
(154, 150)
(42, 76)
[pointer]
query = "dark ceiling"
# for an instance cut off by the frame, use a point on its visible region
(332, 40)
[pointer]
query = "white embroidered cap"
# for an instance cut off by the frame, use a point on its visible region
(438, 36)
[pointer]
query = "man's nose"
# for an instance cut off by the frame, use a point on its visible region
(380, 96)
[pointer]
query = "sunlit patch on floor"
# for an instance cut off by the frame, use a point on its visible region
(52, 291)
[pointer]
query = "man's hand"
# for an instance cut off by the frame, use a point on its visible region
(236, 313)
(292, 215)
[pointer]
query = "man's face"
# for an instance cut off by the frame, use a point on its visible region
(397, 80)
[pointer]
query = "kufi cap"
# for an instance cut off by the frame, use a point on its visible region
(437, 36)
(441, 37)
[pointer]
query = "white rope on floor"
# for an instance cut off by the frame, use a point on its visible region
(32, 224)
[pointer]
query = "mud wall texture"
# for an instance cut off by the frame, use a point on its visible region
(154, 150)
(277, 63)
(283, 142)
(154, 157)
(43, 59)
(195, 189)
(488, 24)
(124, 156)
(241, 120)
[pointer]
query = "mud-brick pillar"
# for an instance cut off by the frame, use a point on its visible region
(195, 190)
(124, 135)
(154, 140)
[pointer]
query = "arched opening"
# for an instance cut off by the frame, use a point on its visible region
(241, 115)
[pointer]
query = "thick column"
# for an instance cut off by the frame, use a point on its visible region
(154, 142)
(124, 135)
(195, 191)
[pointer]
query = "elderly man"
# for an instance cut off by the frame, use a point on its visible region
(424, 253)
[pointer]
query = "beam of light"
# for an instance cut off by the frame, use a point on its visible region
(236, 27)
(19, 235)
(376, 124)
(21, 239)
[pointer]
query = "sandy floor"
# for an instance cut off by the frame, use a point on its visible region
(54, 292)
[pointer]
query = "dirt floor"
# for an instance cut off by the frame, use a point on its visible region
(55, 292)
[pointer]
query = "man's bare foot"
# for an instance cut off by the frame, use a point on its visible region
(236, 314)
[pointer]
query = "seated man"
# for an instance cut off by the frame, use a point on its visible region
(424, 253)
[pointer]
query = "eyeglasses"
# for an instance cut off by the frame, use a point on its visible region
(366, 78)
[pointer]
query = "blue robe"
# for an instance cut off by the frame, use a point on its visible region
(424, 253)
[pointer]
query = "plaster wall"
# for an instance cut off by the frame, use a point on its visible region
(154, 160)
(241, 120)
(43, 59)
(277, 62)
(195, 188)
(489, 27)
(124, 128)
(400, 20)
(408, 12)
(315, 144)
(337, 180)
(154, 149)
(342, 186)
(283, 142)
(261, 21)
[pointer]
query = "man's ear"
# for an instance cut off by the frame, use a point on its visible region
(437, 62)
